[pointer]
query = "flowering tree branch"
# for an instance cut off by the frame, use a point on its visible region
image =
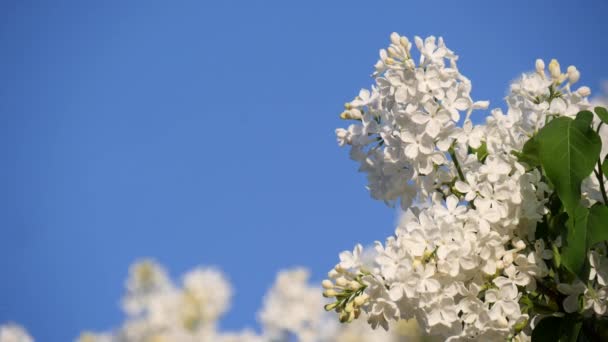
(502, 243)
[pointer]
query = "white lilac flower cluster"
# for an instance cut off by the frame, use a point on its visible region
(464, 252)
(14, 333)
(158, 310)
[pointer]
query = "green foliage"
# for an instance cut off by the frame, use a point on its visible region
(547, 330)
(602, 113)
(597, 225)
(529, 154)
(552, 329)
(481, 152)
(568, 150)
(574, 252)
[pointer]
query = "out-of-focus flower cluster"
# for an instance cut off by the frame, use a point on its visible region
(159, 310)
(12, 332)
(464, 254)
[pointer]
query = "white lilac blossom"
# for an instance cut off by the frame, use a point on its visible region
(14, 333)
(158, 310)
(464, 256)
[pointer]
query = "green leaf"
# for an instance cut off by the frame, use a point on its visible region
(554, 329)
(571, 328)
(557, 258)
(568, 151)
(602, 113)
(482, 152)
(574, 251)
(597, 225)
(548, 329)
(529, 153)
(605, 166)
(585, 116)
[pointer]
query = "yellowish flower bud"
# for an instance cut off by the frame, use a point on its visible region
(554, 69)
(361, 299)
(327, 284)
(351, 114)
(342, 282)
(354, 285)
(331, 306)
(329, 293)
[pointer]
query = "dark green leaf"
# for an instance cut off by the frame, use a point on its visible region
(554, 329)
(568, 151)
(529, 153)
(548, 329)
(574, 250)
(570, 327)
(605, 167)
(602, 113)
(585, 116)
(597, 225)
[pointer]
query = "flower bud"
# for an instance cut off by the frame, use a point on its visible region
(393, 52)
(540, 67)
(583, 91)
(331, 306)
(361, 299)
(404, 42)
(332, 274)
(354, 285)
(342, 282)
(507, 259)
(573, 74)
(500, 265)
(395, 38)
(349, 307)
(329, 293)
(351, 114)
(519, 244)
(327, 284)
(554, 69)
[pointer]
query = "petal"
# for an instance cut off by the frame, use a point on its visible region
(433, 128)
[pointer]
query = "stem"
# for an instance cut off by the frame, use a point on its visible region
(457, 164)
(600, 178)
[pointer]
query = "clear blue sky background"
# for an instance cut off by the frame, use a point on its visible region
(202, 132)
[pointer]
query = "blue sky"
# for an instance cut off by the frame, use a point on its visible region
(201, 132)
